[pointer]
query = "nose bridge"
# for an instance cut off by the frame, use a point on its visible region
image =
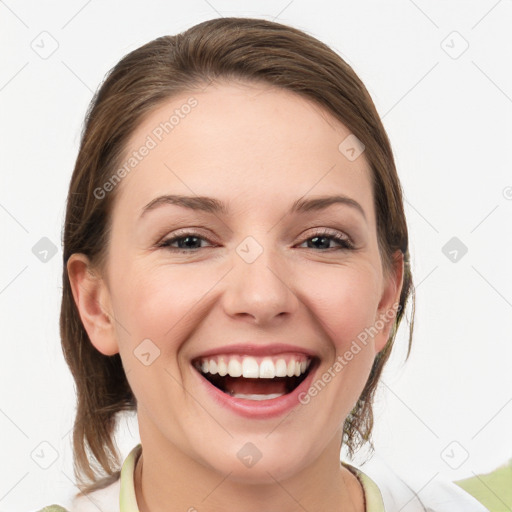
(259, 283)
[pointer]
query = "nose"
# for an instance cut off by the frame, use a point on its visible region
(259, 290)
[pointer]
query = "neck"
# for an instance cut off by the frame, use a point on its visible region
(169, 476)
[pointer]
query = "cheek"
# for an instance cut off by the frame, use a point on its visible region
(160, 302)
(163, 304)
(344, 300)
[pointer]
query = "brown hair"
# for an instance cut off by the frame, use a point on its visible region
(247, 49)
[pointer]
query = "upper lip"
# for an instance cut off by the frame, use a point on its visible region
(251, 349)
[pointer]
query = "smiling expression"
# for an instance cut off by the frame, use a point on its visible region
(242, 261)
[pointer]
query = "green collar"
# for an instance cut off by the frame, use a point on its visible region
(372, 496)
(127, 499)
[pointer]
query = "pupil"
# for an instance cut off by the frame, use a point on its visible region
(188, 245)
(325, 245)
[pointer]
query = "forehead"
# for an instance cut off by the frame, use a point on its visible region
(241, 142)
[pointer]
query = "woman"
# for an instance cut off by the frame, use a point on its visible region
(236, 268)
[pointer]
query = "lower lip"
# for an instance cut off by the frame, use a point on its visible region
(261, 409)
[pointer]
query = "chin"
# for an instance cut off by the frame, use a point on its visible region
(259, 463)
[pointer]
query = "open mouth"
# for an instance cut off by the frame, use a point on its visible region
(254, 378)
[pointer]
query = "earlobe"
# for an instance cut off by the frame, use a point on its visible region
(92, 300)
(390, 302)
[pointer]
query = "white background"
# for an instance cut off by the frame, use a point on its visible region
(450, 123)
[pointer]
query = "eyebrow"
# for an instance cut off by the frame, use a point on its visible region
(211, 205)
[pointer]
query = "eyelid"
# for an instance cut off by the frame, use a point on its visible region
(343, 240)
(183, 232)
(329, 231)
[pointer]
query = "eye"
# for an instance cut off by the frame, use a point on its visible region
(186, 242)
(322, 240)
(190, 241)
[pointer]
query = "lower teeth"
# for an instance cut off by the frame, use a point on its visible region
(256, 397)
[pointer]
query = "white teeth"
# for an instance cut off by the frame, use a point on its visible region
(234, 368)
(281, 368)
(267, 369)
(254, 368)
(222, 367)
(250, 369)
(257, 397)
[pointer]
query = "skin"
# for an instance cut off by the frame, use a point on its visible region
(258, 149)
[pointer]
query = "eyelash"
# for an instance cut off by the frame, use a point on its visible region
(346, 244)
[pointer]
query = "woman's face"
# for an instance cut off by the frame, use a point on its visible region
(259, 285)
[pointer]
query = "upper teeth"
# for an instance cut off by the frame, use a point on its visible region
(252, 367)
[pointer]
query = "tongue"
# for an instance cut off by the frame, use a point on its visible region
(235, 385)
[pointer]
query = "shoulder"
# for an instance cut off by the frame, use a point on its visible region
(102, 499)
(401, 493)
(116, 489)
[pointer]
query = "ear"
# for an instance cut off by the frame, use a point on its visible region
(92, 300)
(389, 302)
